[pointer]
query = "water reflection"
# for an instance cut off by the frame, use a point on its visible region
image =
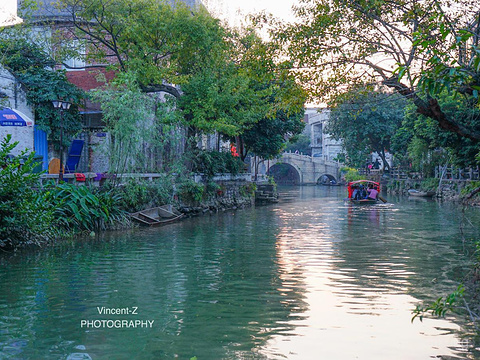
(362, 267)
(308, 278)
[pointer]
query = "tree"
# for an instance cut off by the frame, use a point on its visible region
(365, 121)
(300, 143)
(140, 129)
(223, 87)
(424, 146)
(226, 80)
(160, 43)
(268, 137)
(280, 99)
(417, 48)
(33, 68)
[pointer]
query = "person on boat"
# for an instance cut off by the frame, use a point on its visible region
(361, 194)
(355, 192)
(372, 192)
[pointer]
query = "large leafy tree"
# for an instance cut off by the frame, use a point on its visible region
(423, 145)
(417, 48)
(226, 79)
(268, 137)
(365, 121)
(161, 43)
(279, 104)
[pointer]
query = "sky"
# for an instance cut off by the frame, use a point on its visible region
(8, 10)
(234, 11)
(231, 10)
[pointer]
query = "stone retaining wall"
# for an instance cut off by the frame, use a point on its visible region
(231, 195)
(449, 190)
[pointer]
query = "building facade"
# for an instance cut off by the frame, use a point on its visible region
(321, 143)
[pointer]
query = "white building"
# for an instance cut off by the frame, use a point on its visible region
(322, 144)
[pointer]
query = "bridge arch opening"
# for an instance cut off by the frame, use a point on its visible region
(327, 179)
(284, 174)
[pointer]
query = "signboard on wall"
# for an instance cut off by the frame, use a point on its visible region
(9, 117)
(19, 126)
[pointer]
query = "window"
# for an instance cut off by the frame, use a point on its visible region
(76, 63)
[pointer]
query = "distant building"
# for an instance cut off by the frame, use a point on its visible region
(322, 144)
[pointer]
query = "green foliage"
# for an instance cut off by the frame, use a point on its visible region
(191, 192)
(441, 306)
(25, 215)
(268, 137)
(300, 143)
(220, 99)
(430, 184)
(351, 174)
(211, 163)
(420, 144)
(152, 39)
(471, 186)
(445, 72)
(426, 48)
(136, 194)
(245, 95)
(248, 190)
(366, 121)
(32, 67)
(80, 208)
(143, 137)
(271, 181)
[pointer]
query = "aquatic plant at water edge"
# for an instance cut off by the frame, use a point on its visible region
(248, 190)
(440, 306)
(80, 208)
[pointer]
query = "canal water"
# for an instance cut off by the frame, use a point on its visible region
(311, 277)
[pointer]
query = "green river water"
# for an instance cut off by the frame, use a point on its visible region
(311, 277)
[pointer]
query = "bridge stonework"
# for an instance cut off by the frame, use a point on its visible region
(310, 169)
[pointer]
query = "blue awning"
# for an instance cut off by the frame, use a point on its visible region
(9, 117)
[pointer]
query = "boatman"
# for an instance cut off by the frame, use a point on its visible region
(372, 192)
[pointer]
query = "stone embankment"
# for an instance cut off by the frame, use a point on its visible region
(448, 190)
(230, 195)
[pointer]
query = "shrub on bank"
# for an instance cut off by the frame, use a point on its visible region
(429, 184)
(31, 215)
(25, 215)
(138, 194)
(82, 208)
(209, 163)
(351, 174)
(191, 192)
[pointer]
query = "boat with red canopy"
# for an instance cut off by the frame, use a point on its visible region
(360, 185)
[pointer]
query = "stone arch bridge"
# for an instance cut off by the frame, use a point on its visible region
(297, 169)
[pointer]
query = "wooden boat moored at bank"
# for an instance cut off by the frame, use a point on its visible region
(157, 216)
